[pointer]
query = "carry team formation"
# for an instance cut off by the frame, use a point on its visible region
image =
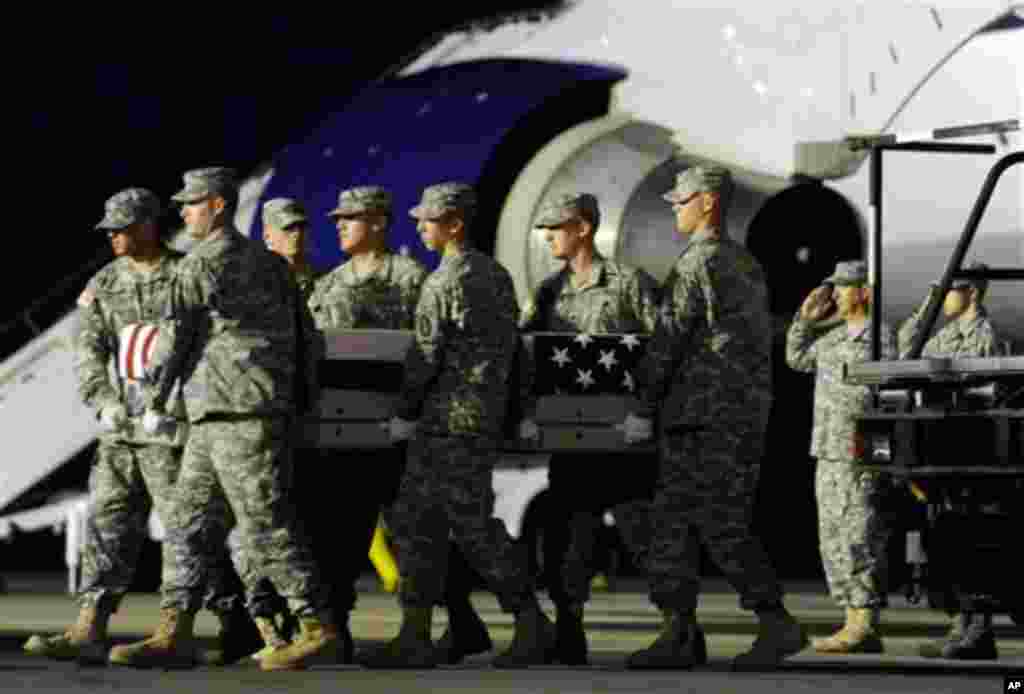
(198, 366)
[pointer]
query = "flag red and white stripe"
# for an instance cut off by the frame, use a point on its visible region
(135, 350)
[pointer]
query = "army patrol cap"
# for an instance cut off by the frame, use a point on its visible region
(202, 183)
(128, 207)
(362, 200)
(442, 198)
(568, 206)
(980, 284)
(699, 179)
(849, 273)
(281, 213)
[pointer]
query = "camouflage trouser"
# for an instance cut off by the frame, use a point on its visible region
(447, 488)
(235, 473)
(126, 481)
(705, 494)
(852, 534)
(580, 489)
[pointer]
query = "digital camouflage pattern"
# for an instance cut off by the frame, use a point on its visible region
(707, 372)
(615, 298)
(974, 337)
(236, 473)
(202, 183)
(458, 369)
(447, 488)
(241, 331)
(129, 206)
(709, 360)
(824, 352)
(281, 213)
(443, 198)
(707, 481)
(456, 383)
(133, 471)
(384, 299)
(362, 200)
(306, 278)
(119, 295)
(237, 338)
(852, 533)
(569, 206)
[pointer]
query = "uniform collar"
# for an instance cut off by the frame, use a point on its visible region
(352, 278)
(598, 271)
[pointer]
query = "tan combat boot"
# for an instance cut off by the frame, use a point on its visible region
(317, 635)
(860, 635)
(272, 638)
(85, 640)
(171, 645)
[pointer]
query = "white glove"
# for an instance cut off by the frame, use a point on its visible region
(399, 429)
(152, 421)
(113, 417)
(636, 429)
(528, 430)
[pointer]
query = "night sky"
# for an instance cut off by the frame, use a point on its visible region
(112, 102)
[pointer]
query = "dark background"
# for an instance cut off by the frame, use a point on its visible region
(113, 102)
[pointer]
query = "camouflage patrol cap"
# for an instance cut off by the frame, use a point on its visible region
(361, 200)
(441, 198)
(281, 213)
(980, 284)
(849, 273)
(699, 179)
(202, 183)
(568, 206)
(128, 207)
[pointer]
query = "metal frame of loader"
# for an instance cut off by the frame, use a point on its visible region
(950, 432)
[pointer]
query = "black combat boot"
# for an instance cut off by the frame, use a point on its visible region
(533, 642)
(411, 649)
(466, 634)
(571, 640)
(679, 646)
(778, 636)
(977, 640)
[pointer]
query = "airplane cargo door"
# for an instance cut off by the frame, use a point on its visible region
(798, 236)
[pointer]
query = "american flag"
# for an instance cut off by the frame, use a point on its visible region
(582, 364)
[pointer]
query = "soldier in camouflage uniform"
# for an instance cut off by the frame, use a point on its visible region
(591, 294)
(851, 530)
(457, 383)
(969, 333)
(285, 226)
(235, 345)
(378, 289)
(134, 470)
(707, 374)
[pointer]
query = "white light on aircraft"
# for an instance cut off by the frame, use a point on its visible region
(803, 254)
(482, 97)
(729, 32)
(328, 152)
(373, 150)
(424, 109)
(760, 87)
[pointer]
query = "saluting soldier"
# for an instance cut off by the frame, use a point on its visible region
(832, 330)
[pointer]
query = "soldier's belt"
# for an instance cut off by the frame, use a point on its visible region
(362, 374)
